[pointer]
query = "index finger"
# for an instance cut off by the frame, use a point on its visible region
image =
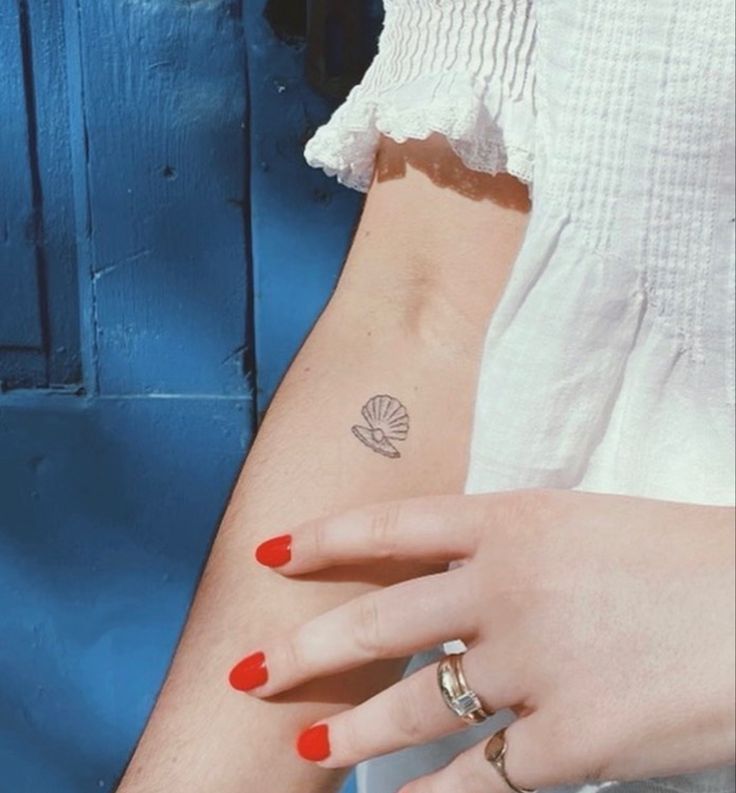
(429, 528)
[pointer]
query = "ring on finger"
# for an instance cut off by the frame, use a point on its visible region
(457, 694)
(495, 753)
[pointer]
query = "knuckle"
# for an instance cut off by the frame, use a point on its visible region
(548, 505)
(384, 524)
(528, 504)
(368, 627)
(525, 513)
(293, 654)
(350, 739)
(407, 716)
(478, 529)
(319, 539)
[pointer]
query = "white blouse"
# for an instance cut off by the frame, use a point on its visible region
(609, 362)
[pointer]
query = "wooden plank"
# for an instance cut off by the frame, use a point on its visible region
(20, 319)
(47, 43)
(164, 94)
(39, 323)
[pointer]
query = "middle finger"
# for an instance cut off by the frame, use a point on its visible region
(394, 622)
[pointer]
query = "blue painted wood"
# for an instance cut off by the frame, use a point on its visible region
(57, 245)
(108, 502)
(301, 220)
(163, 111)
(107, 508)
(20, 318)
(39, 325)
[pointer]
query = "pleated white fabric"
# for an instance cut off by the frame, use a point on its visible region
(463, 69)
(609, 362)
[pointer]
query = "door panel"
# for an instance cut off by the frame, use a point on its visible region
(111, 490)
(166, 188)
(39, 318)
(20, 320)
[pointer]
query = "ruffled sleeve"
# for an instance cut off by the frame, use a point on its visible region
(461, 68)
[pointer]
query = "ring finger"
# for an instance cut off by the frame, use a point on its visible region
(387, 623)
(409, 713)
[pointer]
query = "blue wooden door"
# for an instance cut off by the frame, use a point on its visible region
(163, 250)
(39, 322)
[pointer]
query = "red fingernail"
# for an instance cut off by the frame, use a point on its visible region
(314, 744)
(275, 552)
(250, 673)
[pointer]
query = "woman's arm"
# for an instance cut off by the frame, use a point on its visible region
(427, 266)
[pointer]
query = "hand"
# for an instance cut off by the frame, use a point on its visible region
(605, 622)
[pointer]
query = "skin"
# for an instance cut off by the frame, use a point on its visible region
(427, 265)
(606, 622)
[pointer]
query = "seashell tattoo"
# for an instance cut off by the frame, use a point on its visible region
(387, 421)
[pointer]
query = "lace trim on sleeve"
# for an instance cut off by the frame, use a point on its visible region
(460, 68)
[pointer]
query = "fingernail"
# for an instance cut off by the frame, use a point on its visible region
(275, 552)
(249, 673)
(314, 744)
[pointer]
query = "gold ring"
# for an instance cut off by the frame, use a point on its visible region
(495, 752)
(456, 692)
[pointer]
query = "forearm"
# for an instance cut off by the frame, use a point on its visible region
(306, 462)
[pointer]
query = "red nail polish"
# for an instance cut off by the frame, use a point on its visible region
(314, 744)
(275, 552)
(250, 673)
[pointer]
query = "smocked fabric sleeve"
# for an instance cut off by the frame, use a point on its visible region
(461, 68)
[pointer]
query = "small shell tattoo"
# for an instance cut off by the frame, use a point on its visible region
(387, 421)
